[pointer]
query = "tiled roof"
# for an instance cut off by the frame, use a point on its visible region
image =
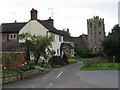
(67, 45)
(66, 35)
(80, 41)
(9, 46)
(49, 27)
(15, 28)
(11, 27)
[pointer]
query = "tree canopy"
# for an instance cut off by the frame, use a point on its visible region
(111, 44)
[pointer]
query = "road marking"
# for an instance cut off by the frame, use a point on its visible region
(50, 84)
(59, 74)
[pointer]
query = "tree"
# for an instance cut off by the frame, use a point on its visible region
(25, 36)
(37, 45)
(111, 44)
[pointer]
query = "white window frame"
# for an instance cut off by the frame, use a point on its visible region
(60, 38)
(53, 35)
(12, 36)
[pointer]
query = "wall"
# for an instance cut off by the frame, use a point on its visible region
(17, 56)
(4, 36)
(33, 27)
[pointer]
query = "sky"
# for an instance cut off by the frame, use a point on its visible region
(72, 14)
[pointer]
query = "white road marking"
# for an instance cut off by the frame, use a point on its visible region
(59, 74)
(50, 84)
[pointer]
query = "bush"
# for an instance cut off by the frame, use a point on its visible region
(56, 61)
(65, 59)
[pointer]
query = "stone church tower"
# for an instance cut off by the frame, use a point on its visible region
(96, 33)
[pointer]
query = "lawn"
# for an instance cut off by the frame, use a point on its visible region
(103, 66)
(79, 59)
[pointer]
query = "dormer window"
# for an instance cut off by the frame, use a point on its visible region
(12, 36)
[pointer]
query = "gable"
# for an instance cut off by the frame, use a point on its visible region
(34, 27)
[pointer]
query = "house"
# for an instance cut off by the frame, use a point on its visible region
(34, 26)
(81, 41)
(10, 45)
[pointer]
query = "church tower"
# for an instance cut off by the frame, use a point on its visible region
(96, 33)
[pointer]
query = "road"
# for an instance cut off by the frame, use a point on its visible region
(70, 76)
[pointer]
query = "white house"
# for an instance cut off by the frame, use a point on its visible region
(43, 28)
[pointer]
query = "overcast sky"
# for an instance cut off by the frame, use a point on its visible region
(72, 14)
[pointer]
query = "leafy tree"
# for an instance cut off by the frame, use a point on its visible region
(37, 45)
(111, 44)
(25, 36)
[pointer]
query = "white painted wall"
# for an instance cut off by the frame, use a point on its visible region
(35, 28)
(56, 44)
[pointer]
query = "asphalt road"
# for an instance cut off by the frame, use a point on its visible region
(70, 76)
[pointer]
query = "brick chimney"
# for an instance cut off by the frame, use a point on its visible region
(33, 14)
(50, 21)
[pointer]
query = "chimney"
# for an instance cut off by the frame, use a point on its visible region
(51, 21)
(68, 31)
(33, 14)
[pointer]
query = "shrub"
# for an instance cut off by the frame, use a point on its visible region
(56, 61)
(65, 59)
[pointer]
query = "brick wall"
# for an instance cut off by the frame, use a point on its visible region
(4, 36)
(16, 57)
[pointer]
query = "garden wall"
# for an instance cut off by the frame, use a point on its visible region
(95, 61)
(19, 76)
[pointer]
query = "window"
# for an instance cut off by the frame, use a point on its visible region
(53, 35)
(47, 33)
(60, 38)
(57, 51)
(99, 40)
(99, 24)
(72, 52)
(99, 33)
(90, 24)
(12, 36)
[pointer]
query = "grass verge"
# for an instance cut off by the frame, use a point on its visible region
(79, 59)
(103, 66)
